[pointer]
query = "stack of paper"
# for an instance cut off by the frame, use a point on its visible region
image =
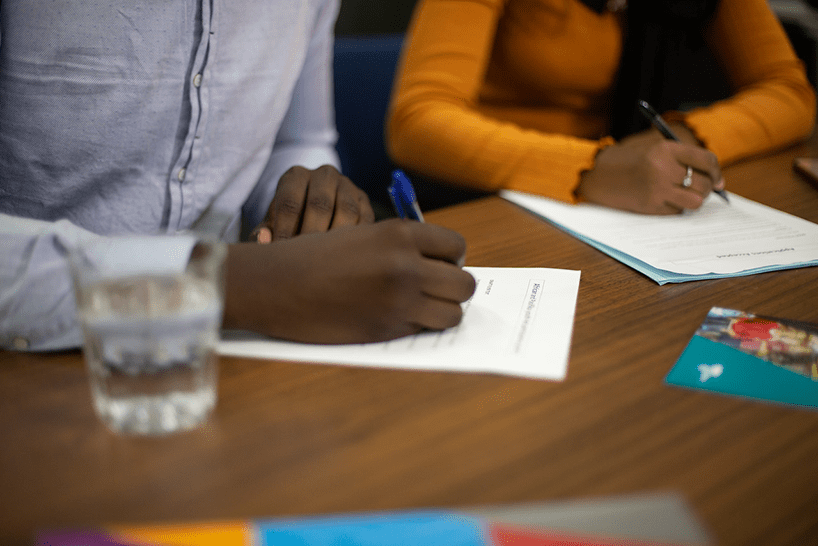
(718, 240)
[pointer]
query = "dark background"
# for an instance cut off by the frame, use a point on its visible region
(366, 17)
(359, 17)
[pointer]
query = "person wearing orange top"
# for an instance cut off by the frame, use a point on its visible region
(540, 96)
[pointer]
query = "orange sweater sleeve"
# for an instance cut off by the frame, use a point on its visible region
(434, 127)
(773, 104)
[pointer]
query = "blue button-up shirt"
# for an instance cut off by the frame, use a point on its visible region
(146, 117)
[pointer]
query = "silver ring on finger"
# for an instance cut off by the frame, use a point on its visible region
(687, 181)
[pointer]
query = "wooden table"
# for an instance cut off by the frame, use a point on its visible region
(293, 439)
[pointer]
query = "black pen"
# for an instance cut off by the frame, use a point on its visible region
(664, 128)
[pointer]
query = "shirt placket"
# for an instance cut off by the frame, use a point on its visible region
(183, 175)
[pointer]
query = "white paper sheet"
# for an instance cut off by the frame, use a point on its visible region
(518, 322)
(718, 240)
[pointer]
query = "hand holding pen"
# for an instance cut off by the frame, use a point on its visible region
(644, 173)
(405, 202)
(371, 281)
(662, 126)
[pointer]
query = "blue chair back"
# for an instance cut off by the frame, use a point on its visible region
(364, 69)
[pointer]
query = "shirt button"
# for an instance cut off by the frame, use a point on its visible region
(197, 80)
(20, 343)
(181, 174)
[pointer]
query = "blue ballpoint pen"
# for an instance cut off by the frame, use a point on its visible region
(664, 128)
(403, 197)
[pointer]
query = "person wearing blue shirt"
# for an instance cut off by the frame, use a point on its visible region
(211, 116)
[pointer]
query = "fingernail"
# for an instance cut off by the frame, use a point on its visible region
(720, 184)
(264, 235)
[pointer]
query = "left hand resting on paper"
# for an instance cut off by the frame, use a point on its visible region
(312, 201)
(644, 173)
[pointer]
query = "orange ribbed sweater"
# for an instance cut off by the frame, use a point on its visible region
(498, 94)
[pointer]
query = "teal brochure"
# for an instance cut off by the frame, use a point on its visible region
(752, 356)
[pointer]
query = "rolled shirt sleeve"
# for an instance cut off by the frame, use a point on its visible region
(37, 307)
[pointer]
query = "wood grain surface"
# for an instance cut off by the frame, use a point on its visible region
(296, 439)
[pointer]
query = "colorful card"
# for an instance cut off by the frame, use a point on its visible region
(754, 356)
(409, 529)
(642, 520)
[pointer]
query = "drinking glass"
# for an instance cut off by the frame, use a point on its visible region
(150, 308)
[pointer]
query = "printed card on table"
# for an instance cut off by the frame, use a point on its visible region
(430, 528)
(646, 519)
(742, 354)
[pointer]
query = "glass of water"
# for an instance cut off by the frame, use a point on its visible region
(150, 309)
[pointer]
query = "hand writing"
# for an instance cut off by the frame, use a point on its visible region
(353, 284)
(644, 173)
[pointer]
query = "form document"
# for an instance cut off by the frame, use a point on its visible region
(518, 322)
